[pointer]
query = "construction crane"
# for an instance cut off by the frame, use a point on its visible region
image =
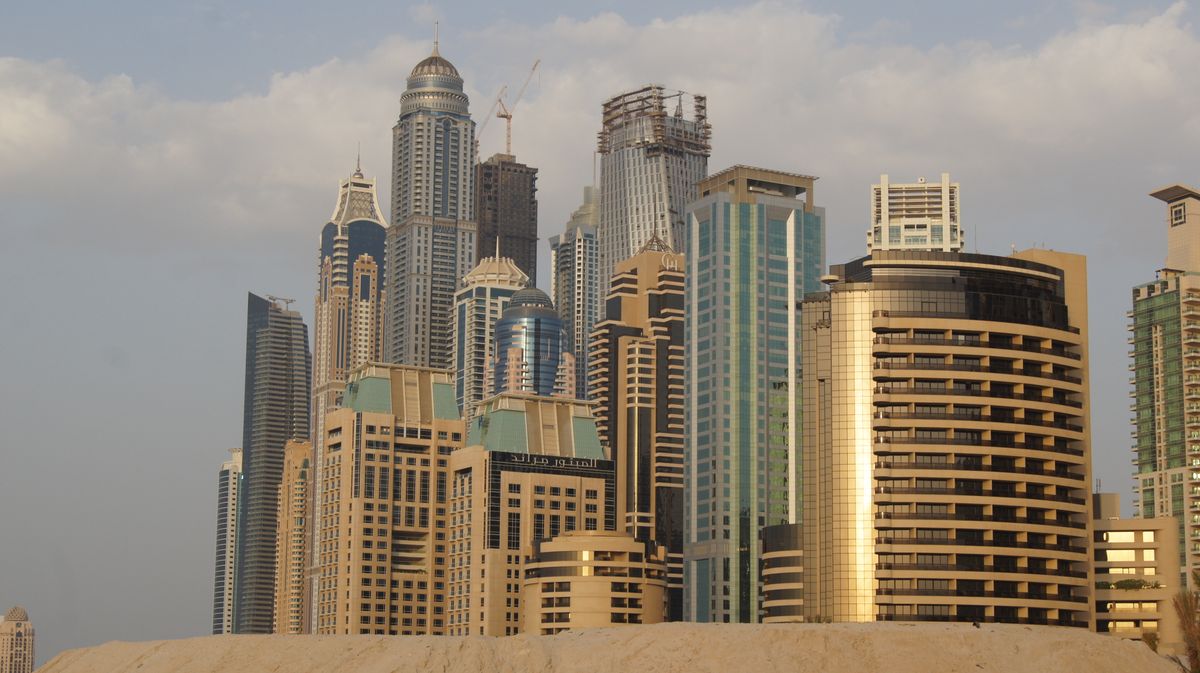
(505, 112)
(487, 118)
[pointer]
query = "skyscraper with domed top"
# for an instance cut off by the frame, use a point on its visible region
(531, 351)
(16, 642)
(431, 242)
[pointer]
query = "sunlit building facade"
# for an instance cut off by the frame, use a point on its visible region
(946, 446)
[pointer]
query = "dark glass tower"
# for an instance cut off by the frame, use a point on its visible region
(507, 209)
(278, 378)
(531, 347)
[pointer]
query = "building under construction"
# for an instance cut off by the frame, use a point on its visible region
(652, 154)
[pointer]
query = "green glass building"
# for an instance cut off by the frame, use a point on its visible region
(754, 245)
(1165, 338)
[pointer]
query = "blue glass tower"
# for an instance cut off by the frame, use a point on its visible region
(531, 347)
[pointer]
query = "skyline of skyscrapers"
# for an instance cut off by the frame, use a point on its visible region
(709, 359)
(431, 242)
(278, 391)
(575, 283)
(755, 246)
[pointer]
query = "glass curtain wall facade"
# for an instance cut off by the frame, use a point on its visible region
(278, 389)
(531, 354)
(755, 245)
(946, 444)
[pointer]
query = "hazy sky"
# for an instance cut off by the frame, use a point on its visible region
(158, 160)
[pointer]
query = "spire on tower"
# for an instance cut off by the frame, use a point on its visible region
(358, 162)
(436, 35)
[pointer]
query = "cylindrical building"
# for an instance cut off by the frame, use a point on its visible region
(530, 346)
(589, 579)
(947, 459)
(783, 574)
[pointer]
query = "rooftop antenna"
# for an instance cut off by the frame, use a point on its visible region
(497, 247)
(358, 161)
(436, 36)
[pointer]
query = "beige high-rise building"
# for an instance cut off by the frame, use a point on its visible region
(16, 642)
(917, 215)
(637, 383)
(1164, 362)
(533, 469)
(946, 445)
(592, 579)
(229, 482)
(1137, 575)
(291, 545)
(382, 516)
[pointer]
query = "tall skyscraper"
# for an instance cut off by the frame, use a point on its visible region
(16, 642)
(225, 575)
(278, 389)
(431, 242)
(637, 384)
(507, 209)
(485, 294)
(650, 162)
(532, 469)
(946, 450)
(575, 282)
(349, 323)
(530, 353)
(755, 245)
(292, 589)
(915, 216)
(1165, 334)
(382, 525)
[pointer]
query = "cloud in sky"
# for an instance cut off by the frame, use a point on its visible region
(784, 90)
(1054, 143)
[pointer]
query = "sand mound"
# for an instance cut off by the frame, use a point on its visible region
(661, 648)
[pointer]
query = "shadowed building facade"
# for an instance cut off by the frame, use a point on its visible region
(637, 384)
(755, 244)
(575, 282)
(229, 479)
(431, 242)
(946, 445)
(507, 211)
(382, 519)
(278, 392)
(292, 587)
